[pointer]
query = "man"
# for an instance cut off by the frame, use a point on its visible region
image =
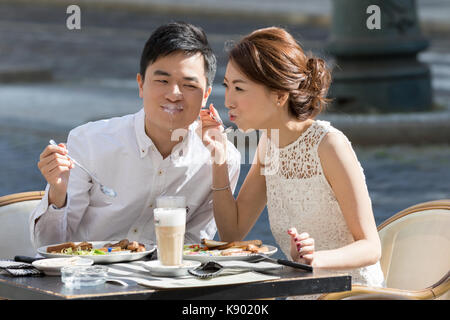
(141, 156)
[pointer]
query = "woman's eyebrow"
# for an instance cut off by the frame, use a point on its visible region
(234, 81)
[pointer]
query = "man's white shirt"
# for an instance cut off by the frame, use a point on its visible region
(120, 154)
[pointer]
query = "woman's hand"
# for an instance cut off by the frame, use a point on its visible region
(302, 246)
(212, 133)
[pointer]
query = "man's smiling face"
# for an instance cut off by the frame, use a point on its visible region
(173, 91)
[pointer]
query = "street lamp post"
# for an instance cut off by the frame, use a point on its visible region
(375, 45)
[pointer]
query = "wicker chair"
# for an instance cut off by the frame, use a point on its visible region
(415, 256)
(15, 210)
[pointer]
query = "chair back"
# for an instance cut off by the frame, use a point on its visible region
(15, 210)
(416, 246)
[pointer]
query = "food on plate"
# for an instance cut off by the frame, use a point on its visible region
(255, 249)
(109, 249)
(85, 245)
(211, 244)
(123, 244)
(86, 249)
(60, 247)
(220, 248)
(240, 244)
(135, 246)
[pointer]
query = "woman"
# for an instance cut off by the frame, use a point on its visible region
(305, 170)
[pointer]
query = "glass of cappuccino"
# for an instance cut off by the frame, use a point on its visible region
(170, 225)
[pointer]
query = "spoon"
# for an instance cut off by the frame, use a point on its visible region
(211, 268)
(226, 129)
(108, 191)
(121, 281)
(207, 270)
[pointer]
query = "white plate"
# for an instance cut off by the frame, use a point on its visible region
(52, 266)
(112, 257)
(157, 269)
(206, 258)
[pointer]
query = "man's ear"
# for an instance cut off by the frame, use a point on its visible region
(206, 96)
(140, 82)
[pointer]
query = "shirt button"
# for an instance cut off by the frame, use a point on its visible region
(151, 205)
(142, 150)
(160, 172)
(135, 230)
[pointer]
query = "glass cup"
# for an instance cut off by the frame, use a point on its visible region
(77, 276)
(170, 226)
(171, 202)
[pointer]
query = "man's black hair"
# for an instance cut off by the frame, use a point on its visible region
(179, 36)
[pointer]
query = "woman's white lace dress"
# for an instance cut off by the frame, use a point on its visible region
(298, 195)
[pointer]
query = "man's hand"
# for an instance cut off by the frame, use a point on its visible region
(55, 167)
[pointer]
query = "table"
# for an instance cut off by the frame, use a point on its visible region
(291, 282)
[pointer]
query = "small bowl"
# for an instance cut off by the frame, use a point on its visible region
(52, 267)
(78, 276)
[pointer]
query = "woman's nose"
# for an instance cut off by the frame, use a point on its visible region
(228, 102)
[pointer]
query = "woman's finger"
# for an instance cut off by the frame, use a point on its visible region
(210, 116)
(306, 250)
(206, 117)
(307, 258)
(303, 236)
(307, 242)
(292, 231)
(214, 112)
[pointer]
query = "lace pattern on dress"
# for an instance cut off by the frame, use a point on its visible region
(299, 195)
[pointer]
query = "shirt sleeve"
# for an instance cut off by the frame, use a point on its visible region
(46, 217)
(202, 224)
(48, 224)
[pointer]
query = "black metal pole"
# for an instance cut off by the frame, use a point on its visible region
(375, 45)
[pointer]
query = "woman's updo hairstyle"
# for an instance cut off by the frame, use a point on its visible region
(273, 58)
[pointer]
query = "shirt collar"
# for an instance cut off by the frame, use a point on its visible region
(143, 141)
